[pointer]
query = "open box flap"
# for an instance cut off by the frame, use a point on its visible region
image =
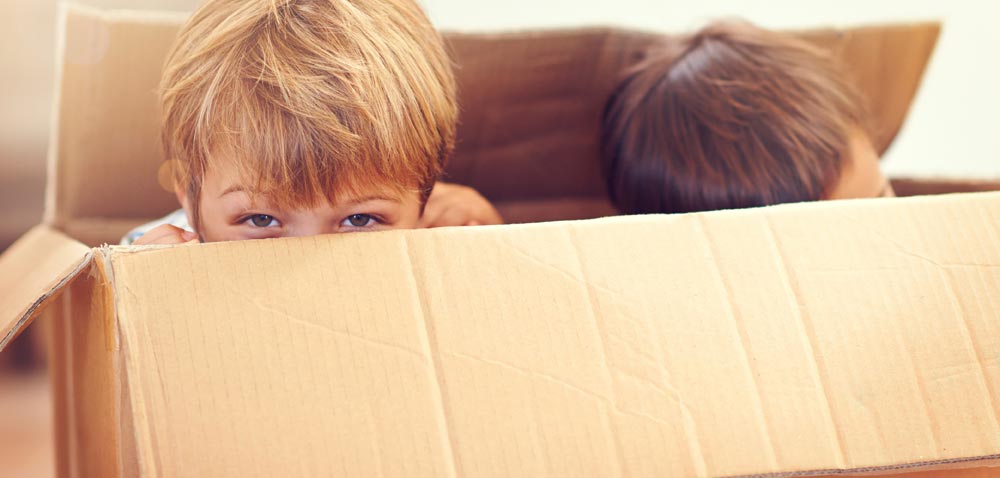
(109, 64)
(887, 62)
(32, 272)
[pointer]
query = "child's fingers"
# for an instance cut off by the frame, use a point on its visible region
(454, 205)
(165, 234)
(156, 234)
(432, 212)
(454, 216)
(428, 220)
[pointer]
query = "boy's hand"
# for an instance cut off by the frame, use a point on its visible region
(455, 205)
(166, 234)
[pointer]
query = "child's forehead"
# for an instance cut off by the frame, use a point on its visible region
(228, 178)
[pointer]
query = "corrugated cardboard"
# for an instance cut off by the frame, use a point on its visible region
(35, 267)
(849, 337)
(857, 336)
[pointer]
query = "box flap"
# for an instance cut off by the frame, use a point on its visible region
(106, 115)
(926, 186)
(32, 272)
(824, 338)
(887, 62)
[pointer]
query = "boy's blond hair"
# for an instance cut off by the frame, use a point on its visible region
(310, 98)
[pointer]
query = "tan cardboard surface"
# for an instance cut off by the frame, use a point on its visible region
(925, 186)
(857, 335)
(31, 272)
(106, 114)
(887, 62)
(86, 374)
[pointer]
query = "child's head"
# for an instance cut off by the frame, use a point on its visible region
(300, 117)
(736, 117)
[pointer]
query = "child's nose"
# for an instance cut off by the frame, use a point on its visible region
(311, 229)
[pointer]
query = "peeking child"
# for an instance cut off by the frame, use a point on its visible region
(735, 117)
(302, 117)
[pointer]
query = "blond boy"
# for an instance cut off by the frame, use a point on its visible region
(302, 117)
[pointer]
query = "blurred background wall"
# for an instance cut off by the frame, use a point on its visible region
(27, 65)
(952, 129)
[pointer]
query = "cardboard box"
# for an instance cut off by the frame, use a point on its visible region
(850, 337)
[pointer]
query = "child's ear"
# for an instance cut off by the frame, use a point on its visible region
(168, 176)
(183, 199)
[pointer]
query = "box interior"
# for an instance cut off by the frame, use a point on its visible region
(529, 125)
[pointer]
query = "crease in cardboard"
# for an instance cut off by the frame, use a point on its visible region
(556, 380)
(433, 350)
(738, 324)
(956, 309)
(818, 369)
(423, 358)
(595, 315)
(548, 265)
(947, 276)
(907, 251)
(688, 423)
(933, 429)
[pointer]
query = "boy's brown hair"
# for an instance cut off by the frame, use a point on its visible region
(311, 98)
(732, 117)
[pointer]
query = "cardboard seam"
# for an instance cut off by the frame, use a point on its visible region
(44, 298)
(103, 266)
(143, 443)
(737, 321)
(792, 283)
(103, 273)
(433, 349)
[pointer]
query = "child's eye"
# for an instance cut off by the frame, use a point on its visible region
(261, 220)
(358, 220)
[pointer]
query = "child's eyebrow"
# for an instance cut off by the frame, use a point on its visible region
(233, 189)
(373, 197)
